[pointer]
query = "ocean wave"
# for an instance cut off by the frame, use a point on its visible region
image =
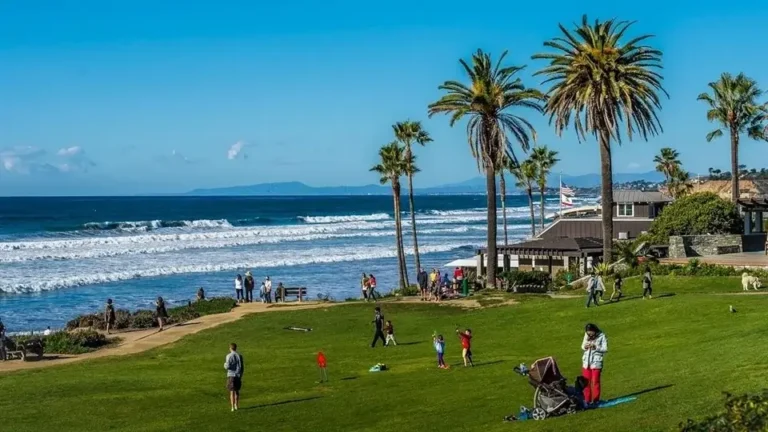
(202, 263)
(70, 253)
(156, 224)
(344, 218)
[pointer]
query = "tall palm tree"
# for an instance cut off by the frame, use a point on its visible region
(503, 196)
(391, 167)
(679, 183)
(545, 159)
(527, 174)
(408, 133)
(486, 100)
(733, 104)
(605, 84)
(667, 162)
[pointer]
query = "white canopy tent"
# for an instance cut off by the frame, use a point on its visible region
(472, 262)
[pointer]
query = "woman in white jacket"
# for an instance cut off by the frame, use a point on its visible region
(595, 345)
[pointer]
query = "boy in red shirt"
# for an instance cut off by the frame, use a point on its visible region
(466, 346)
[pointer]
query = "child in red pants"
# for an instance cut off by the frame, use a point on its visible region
(595, 345)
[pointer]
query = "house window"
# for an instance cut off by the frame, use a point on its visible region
(626, 209)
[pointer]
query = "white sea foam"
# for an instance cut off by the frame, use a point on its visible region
(344, 218)
(104, 271)
(132, 226)
(159, 247)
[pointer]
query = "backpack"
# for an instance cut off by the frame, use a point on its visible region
(593, 284)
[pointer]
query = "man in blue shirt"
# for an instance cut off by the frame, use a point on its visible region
(235, 367)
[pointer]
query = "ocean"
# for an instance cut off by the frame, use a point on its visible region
(60, 257)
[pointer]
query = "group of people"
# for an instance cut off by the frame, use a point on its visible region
(434, 287)
(161, 314)
(244, 287)
(596, 287)
(368, 287)
(466, 348)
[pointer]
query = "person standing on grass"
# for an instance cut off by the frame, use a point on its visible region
(364, 286)
(433, 282)
(458, 276)
(239, 288)
(466, 346)
(423, 279)
(389, 330)
(160, 313)
(439, 344)
(250, 284)
(617, 285)
(595, 345)
(235, 366)
(378, 321)
(647, 283)
(372, 287)
(594, 287)
(109, 315)
(200, 294)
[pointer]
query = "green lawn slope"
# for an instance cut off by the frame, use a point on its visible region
(680, 351)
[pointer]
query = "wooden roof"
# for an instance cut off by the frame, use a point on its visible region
(755, 204)
(558, 246)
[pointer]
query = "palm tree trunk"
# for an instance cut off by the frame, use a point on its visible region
(490, 186)
(734, 165)
(533, 218)
(413, 220)
(606, 193)
(541, 203)
(398, 235)
(503, 185)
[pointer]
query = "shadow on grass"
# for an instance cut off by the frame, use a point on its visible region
(489, 363)
(349, 378)
(286, 402)
(642, 392)
(608, 302)
(410, 343)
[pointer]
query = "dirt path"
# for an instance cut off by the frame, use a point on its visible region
(142, 340)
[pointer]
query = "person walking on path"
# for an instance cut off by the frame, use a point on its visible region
(378, 321)
(364, 286)
(389, 330)
(595, 345)
(617, 285)
(466, 346)
(647, 283)
(239, 288)
(160, 313)
(250, 284)
(109, 315)
(594, 287)
(235, 366)
(372, 288)
(423, 279)
(268, 289)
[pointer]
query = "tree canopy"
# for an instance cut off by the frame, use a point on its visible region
(696, 214)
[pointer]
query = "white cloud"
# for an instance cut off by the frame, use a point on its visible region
(70, 151)
(633, 165)
(21, 160)
(237, 150)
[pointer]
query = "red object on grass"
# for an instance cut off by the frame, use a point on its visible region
(321, 360)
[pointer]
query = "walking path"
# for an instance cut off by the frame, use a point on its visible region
(142, 340)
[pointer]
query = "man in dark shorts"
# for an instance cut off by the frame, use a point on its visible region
(378, 321)
(235, 367)
(423, 279)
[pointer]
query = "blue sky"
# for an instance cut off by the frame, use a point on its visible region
(113, 97)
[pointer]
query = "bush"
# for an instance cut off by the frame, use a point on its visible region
(412, 290)
(143, 319)
(75, 342)
(697, 214)
(522, 278)
(745, 413)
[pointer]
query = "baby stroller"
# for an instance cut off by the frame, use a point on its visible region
(551, 397)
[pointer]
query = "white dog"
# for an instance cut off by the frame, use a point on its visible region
(747, 281)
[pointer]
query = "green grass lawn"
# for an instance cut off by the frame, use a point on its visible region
(687, 344)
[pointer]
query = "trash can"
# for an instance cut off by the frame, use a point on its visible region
(465, 287)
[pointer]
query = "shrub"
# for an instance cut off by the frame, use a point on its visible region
(412, 290)
(531, 278)
(745, 413)
(697, 214)
(143, 319)
(75, 342)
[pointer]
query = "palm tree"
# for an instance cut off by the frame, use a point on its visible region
(492, 92)
(545, 159)
(391, 167)
(527, 174)
(667, 161)
(679, 183)
(605, 84)
(733, 104)
(408, 133)
(503, 193)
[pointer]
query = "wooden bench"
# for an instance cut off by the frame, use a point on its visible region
(298, 292)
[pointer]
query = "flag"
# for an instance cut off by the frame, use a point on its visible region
(566, 193)
(566, 201)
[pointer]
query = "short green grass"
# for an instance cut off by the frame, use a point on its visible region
(687, 346)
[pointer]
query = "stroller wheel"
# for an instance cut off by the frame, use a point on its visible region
(538, 414)
(570, 410)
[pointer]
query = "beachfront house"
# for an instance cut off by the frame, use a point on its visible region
(633, 212)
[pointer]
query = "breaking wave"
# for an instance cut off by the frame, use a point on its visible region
(344, 218)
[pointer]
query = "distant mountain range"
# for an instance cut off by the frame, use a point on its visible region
(471, 186)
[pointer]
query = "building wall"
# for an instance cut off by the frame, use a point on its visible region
(642, 210)
(594, 228)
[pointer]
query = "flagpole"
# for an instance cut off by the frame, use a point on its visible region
(560, 193)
